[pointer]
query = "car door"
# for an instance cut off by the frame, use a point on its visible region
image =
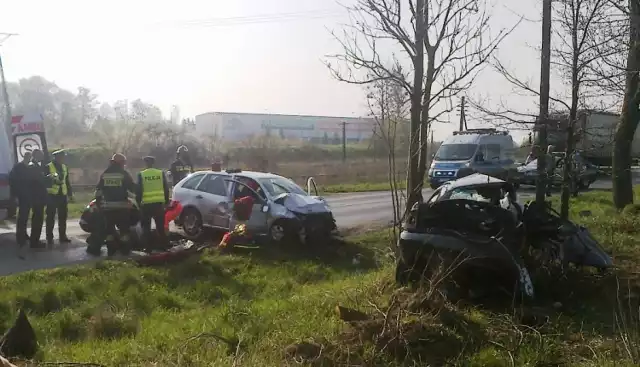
(211, 194)
(259, 218)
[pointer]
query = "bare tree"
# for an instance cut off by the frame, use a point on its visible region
(443, 44)
(576, 21)
(388, 105)
(610, 41)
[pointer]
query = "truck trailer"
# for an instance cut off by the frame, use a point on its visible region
(593, 135)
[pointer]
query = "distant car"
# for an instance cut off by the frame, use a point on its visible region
(282, 210)
(528, 173)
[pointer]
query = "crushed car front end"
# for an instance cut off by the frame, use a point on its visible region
(472, 241)
(310, 216)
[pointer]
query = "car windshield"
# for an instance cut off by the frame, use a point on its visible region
(456, 152)
(468, 194)
(279, 185)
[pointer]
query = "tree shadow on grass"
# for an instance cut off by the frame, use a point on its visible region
(337, 253)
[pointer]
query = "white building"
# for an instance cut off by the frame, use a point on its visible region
(239, 126)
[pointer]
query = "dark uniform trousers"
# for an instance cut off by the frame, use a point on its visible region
(25, 207)
(117, 220)
(153, 211)
(57, 204)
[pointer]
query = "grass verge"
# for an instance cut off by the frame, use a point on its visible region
(117, 313)
(278, 307)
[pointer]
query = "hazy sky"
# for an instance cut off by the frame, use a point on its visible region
(214, 55)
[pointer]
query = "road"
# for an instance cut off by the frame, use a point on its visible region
(350, 209)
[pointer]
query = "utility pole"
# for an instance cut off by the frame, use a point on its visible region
(543, 118)
(344, 141)
(463, 117)
(5, 95)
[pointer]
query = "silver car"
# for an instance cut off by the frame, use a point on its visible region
(282, 210)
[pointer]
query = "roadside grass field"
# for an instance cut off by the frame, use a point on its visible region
(276, 307)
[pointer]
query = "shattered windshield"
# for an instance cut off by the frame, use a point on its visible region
(279, 185)
(456, 152)
(468, 194)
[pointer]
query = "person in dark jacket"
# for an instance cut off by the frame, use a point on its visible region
(59, 196)
(36, 185)
(112, 199)
(181, 167)
(152, 196)
(20, 195)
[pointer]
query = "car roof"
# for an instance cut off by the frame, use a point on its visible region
(250, 174)
(476, 179)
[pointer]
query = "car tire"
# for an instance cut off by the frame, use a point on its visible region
(584, 184)
(191, 223)
(281, 231)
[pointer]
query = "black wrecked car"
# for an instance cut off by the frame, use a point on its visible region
(475, 229)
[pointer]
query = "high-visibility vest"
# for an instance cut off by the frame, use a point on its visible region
(152, 186)
(58, 182)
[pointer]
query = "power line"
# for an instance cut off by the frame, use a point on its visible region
(255, 19)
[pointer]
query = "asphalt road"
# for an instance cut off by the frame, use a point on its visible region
(350, 209)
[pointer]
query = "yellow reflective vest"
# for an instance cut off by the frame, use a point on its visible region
(59, 179)
(152, 185)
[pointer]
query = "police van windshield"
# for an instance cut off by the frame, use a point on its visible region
(456, 152)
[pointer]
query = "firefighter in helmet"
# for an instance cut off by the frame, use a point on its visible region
(181, 167)
(112, 199)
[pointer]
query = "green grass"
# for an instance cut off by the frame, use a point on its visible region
(120, 314)
(279, 305)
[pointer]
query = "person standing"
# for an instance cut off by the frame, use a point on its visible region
(181, 167)
(112, 199)
(18, 177)
(533, 154)
(36, 186)
(152, 196)
(59, 196)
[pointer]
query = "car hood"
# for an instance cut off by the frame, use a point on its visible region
(303, 204)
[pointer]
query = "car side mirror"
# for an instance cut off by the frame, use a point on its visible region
(265, 208)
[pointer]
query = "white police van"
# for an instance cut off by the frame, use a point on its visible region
(486, 151)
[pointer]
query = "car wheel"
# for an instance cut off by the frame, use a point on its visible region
(281, 231)
(191, 222)
(585, 183)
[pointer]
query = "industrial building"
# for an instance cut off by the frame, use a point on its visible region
(240, 126)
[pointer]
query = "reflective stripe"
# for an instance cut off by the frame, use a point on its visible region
(115, 204)
(58, 182)
(112, 179)
(152, 186)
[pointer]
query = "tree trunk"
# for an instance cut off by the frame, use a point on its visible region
(426, 106)
(622, 184)
(414, 181)
(567, 174)
(545, 67)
